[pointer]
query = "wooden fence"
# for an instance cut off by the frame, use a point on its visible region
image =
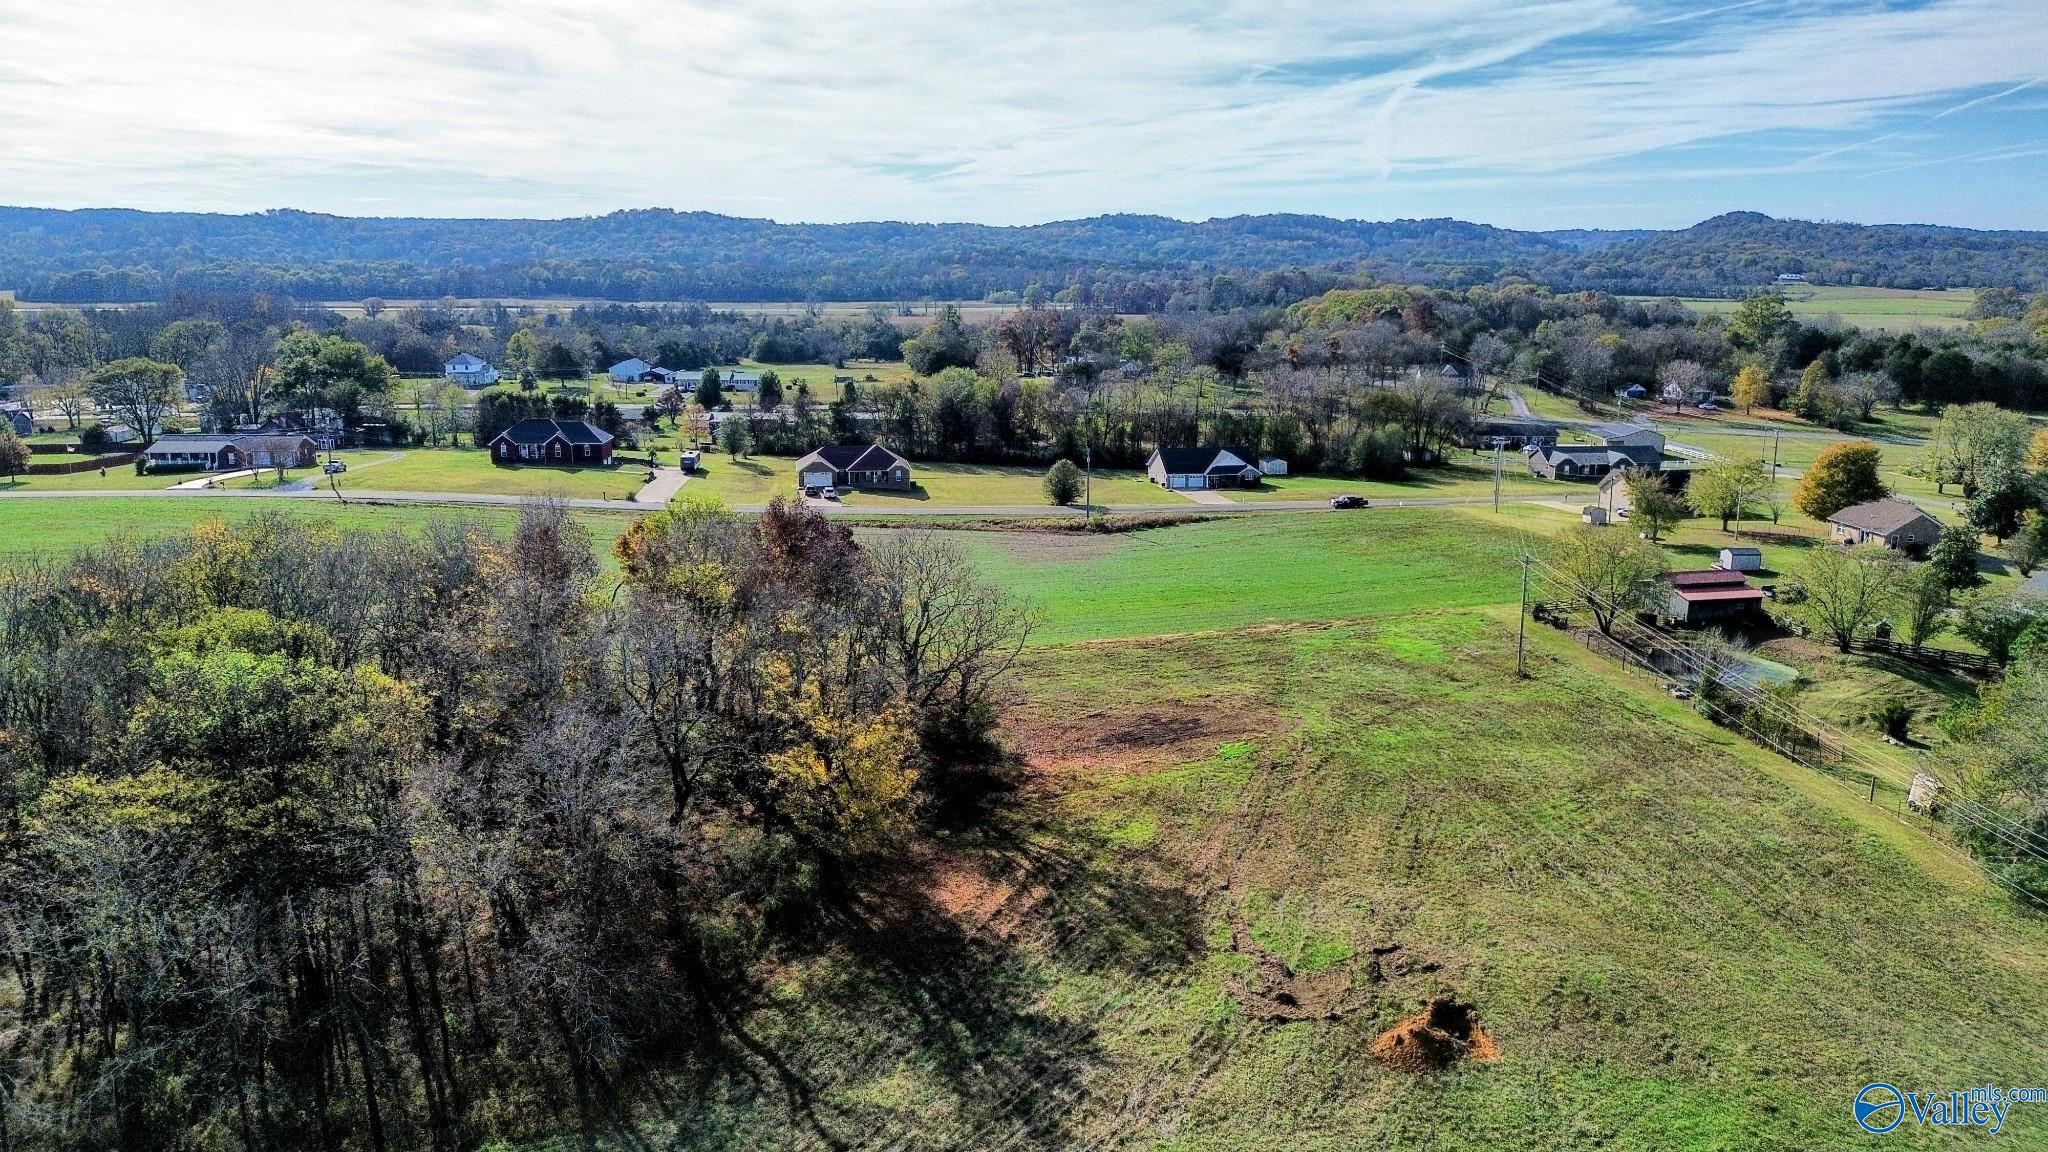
(117, 460)
(1946, 659)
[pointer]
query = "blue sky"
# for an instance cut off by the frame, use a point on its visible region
(1552, 114)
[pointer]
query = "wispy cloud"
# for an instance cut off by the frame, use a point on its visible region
(984, 109)
(1966, 105)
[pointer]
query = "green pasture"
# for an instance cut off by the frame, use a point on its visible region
(1893, 309)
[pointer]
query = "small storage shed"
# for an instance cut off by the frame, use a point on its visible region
(1741, 560)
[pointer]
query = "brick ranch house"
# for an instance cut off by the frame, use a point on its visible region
(228, 453)
(564, 442)
(1892, 523)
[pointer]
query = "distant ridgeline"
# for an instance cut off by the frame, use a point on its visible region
(1135, 263)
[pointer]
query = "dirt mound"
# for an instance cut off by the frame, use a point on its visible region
(1440, 1035)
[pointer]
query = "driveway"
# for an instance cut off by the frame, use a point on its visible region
(209, 480)
(1206, 496)
(666, 483)
(1519, 406)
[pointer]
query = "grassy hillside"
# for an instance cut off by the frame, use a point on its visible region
(1246, 853)
(1284, 787)
(1249, 846)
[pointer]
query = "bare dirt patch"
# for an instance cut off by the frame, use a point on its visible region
(981, 899)
(1443, 1033)
(1133, 738)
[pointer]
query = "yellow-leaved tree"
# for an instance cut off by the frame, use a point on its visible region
(1752, 388)
(846, 778)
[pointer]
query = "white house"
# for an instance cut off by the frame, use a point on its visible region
(1208, 467)
(470, 371)
(734, 380)
(630, 371)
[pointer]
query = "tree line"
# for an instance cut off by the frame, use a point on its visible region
(313, 839)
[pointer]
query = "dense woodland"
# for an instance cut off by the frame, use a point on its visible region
(313, 840)
(1120, 263)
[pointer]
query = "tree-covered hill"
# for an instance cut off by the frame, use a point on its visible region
(121, 255)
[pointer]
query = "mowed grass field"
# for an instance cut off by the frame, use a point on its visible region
(1892, 309)
(472, 470)
(54, 527)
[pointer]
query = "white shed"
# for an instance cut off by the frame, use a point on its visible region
(1273, 466)
(1741, 559)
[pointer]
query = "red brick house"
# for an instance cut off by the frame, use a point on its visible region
(570, 443)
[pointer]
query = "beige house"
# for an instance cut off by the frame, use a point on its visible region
(1892, 523)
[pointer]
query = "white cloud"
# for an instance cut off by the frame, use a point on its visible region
(932, 109)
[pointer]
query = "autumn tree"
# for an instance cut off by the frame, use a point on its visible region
(1847, 590)
(1752, 388)
(1610, 573)
(1840, 476)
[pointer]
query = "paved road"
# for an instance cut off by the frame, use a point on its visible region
(493, 499)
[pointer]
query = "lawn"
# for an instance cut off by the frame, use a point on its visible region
(754, 480)
(472, 470)
(53, 527)
(1252, 570)
(118, 478)
(969, 485)
(1467, 475)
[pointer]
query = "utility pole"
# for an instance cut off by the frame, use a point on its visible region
(1522, 623)
(1775, 436)
(1500, 444)
(1088, 481)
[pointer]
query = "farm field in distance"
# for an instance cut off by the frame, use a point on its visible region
(1891, 309)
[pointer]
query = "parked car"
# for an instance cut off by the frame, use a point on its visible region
(334, 466)
(813, 492)
(1348, 501)
(830, 493)
(1709, 406)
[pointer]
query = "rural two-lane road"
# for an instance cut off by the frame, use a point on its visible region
(489, 499)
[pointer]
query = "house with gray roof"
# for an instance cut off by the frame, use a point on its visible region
(1892, 523)
(1621, 446)
(228, 452)
(470, 371)
(855, 466)
(1203, 468)
(564, 442)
